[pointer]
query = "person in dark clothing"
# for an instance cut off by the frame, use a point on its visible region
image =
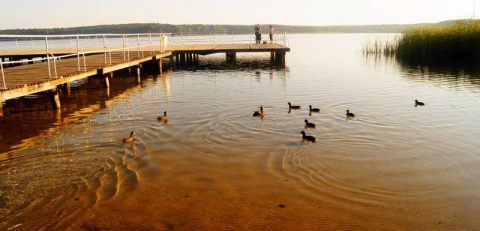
(258, 35)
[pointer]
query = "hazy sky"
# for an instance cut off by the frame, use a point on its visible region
(66, 13)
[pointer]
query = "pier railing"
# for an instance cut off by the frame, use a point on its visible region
(26, 49)
(223, 38)
(16, 50)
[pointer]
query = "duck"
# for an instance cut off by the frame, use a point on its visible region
(307, 138)
(163, 118)
(259, 113)
(349, 114)
(293, 106)
(418, 103)
(313, 109)
(130, 138)
(309, 125)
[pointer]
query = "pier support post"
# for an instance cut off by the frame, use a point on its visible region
(138, 74)
(106, 82)
(182, 59)
(69, 90)
(55, 99)
(231, 57)
(280, 59)
(160, 67)
(1, 110)
(106, 79)
(192, 58)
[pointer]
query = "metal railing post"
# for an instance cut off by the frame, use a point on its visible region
(78, 54)
(3, 75)
(123, 47)
(105, 55)
(84, 63)
(105, 41)
(160, 47)
(138, 45)
(48, 57)
(105, 49)
(150, 42)
(54, 65)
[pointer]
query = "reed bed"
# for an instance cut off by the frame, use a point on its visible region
(381, 46)
(458, 43)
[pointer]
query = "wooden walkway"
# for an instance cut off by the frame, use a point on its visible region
(30, 78)
(33, 78)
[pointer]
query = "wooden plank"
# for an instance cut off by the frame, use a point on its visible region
(39, 87)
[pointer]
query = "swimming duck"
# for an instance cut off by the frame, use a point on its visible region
(418, 103)
(259, 113)
(307, 138)
(129, 139)
(163, 118)
(313, 109)
(309, 125)
(349, 114)
(293, 106)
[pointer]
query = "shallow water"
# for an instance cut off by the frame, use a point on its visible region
(215, 166)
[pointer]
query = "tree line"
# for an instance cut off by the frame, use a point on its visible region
(135, 28)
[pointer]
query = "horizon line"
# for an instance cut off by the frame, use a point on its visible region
(342, 25)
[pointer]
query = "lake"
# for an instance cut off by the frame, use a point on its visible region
(213, 165)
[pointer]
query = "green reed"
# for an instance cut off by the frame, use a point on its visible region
(458, 43)
(387, 47)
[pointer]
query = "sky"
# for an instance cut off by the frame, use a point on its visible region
(25, 14)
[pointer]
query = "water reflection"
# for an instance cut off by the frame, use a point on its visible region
(80, 99)
(32, 115)
(454, 76)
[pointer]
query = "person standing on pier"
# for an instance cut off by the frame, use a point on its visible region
(270, 32)
(258, 35)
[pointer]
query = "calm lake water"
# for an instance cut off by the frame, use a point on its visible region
(215, 166)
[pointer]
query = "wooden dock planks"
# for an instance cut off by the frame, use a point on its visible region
(32, 78)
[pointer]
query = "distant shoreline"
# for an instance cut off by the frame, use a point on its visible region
(220, 29)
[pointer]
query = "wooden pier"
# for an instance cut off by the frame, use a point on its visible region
(185, 53)
(29, 71)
